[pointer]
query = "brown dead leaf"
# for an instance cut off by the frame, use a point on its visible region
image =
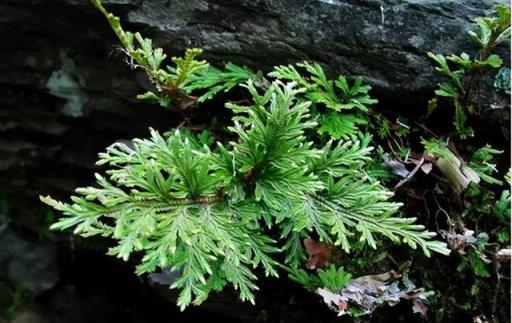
(319, 253)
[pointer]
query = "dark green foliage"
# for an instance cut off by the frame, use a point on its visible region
(476, 259)
(503, 206)
(461, 69)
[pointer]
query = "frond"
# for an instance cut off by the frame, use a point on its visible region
(215, 80)
(163, 197)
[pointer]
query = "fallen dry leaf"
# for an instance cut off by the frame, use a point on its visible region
(335, 301)
(426, 168)
(458, 241)
(368, 292)
(458, 174)
(395, 166)
(319, 254)
(418, 306)
(503, 255)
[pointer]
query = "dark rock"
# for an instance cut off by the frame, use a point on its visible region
(30, 264)
(384, 41)
(66, 92)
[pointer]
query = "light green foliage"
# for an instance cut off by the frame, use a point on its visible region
(453, 89)
(491, 31)
(348, 102)
(148, 58)
(332, 278)
(202, 210)
(175, 82)
(437, 148)
(481, 162)
(447, 89)
(216, 80)
(169, 81)
(340, 125)
(163, 195)
(197, 210)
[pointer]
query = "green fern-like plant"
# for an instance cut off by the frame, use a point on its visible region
(198, 210)
(333, 278)
(346, 103)
(481, 162)
(175, 82)
(213, 212)
(460, 69)
(214, 80)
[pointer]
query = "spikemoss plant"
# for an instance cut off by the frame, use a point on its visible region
(213, 213)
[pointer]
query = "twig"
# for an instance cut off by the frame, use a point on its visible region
(410, 175)
(426, 129)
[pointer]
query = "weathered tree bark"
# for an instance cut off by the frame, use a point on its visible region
(65, 92)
